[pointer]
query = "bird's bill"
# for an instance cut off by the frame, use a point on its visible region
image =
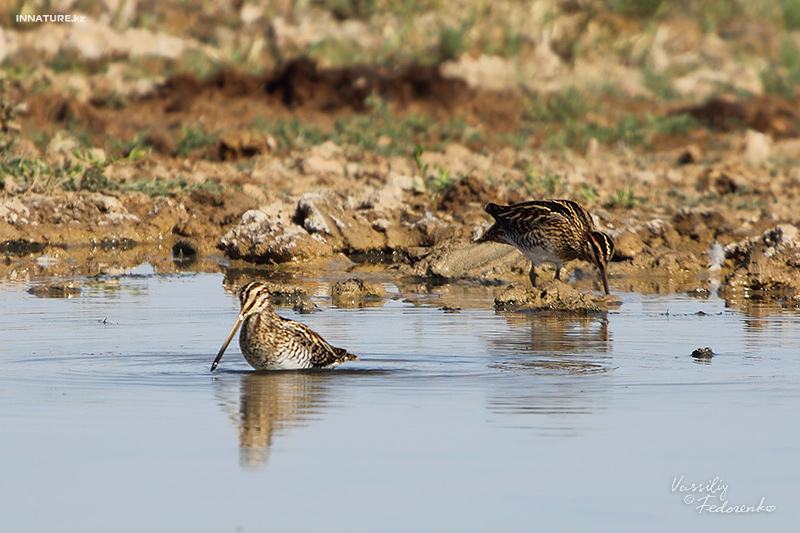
(235, 327)
(604, 273)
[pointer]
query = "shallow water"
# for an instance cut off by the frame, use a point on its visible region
(468, 421)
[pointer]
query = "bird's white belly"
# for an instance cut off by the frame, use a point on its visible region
(285, 364)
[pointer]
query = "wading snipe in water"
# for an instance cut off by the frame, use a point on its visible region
(271, 342)
(550, 231)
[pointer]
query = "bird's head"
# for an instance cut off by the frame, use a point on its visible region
(601, 250)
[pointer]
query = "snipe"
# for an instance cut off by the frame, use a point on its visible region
(271, 342)
(550, 231)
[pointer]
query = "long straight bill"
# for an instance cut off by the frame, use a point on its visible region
(235, 327)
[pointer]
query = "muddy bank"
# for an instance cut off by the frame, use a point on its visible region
(392, 223)
(709, 208)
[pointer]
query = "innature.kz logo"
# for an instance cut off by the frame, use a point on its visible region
(50, 18)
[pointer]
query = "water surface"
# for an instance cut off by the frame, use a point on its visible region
(468, 421)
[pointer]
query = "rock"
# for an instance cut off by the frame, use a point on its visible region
(326, 158)
(283, 293)
(554, 297)
(468, 190)
(690, 155)
(484, 72)
(756, 147)
(14, 211)
(183, 249)
(766, 266)
(328, 216)
(458, 259)
(456, 159)
(705, 82)
(56, 290)
(669, 262)
(720, 181)
(702, 224)
(241, 145)
(305, 307)
(592, 148)
(628, 245)
(268, 235)
(319, 166)
(772, 241)
(356, 292)
(60, 148)
(392, 194)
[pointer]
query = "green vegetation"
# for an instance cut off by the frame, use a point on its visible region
(587, 194)
(436, 185)
(378, 131)
(83, 171)
(39, 175)
(88, 174)
(643, 9)
(453, 41)
(660, 83)
(624, 198)
(783, 77)
(194, 138)
(9, 112)
(161, 187)
(568, 121)
(539, 184)
(790, 9)
(571, 104)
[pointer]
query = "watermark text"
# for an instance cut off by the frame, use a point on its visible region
(50, 18)
(712, 497)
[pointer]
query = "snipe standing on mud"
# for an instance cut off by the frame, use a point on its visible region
(550, 231)
(271, 342)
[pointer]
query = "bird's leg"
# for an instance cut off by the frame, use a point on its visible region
(532, 274)
(558, 272)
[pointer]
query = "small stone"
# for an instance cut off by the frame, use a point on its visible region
(56, 290)
(592, 148)
(756, 147)
(356, 292)
(703, 353)
(690, 155)
(305, 307)
(183, 249)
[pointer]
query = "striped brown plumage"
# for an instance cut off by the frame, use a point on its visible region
(271, 342)
(550, 231)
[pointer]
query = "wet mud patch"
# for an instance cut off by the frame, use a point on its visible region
(554, 298)
(356, 292)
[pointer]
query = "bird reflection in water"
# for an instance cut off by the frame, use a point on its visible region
(555, 344)
(556, 366)
(270, 404)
